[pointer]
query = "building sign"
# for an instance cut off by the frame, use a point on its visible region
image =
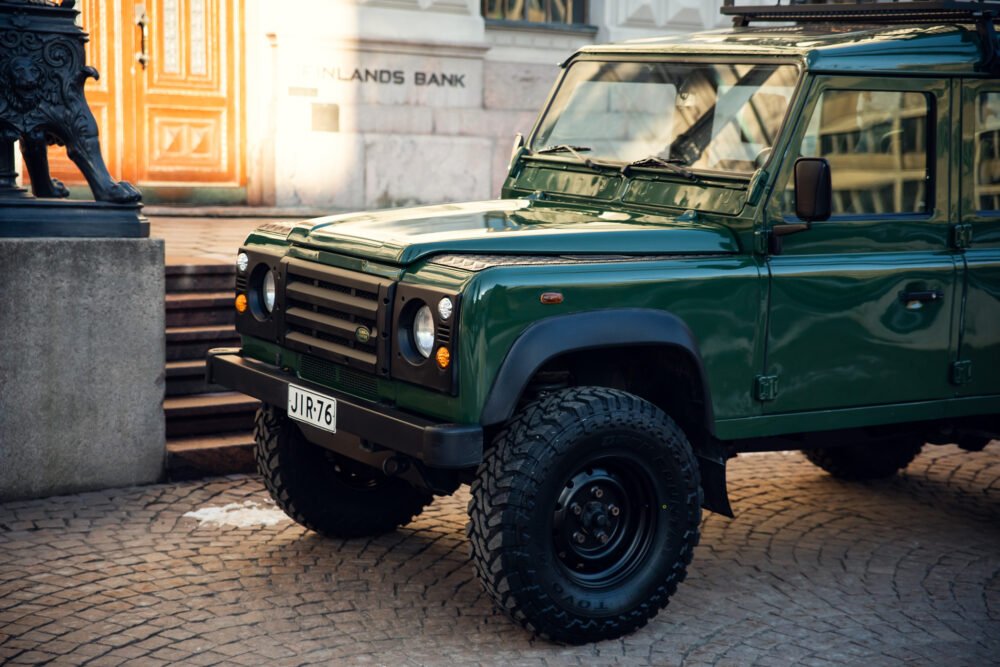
(384, 76)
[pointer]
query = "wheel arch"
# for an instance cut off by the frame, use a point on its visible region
(617, 328)
(673, 355)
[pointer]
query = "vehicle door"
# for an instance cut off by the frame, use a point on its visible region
(861, 305)
(979, 234)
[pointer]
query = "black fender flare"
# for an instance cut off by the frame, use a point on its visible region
(546, 339)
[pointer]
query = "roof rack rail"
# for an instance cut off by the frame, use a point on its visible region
(981, 12)
(915, 11)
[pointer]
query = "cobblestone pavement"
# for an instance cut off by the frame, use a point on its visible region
(191, 240)
(812, 571)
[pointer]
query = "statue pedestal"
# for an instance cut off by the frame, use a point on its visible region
(81, 364)
(31, 217)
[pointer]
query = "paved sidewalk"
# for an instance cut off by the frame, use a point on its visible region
(812, 571)
(190, 240)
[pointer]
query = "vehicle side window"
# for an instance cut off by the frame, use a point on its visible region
(987, 161)
(877, 143)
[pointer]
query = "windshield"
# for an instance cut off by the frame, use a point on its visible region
(721, 117)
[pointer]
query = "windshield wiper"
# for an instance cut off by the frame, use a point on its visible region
(674, 164)
(572, 150)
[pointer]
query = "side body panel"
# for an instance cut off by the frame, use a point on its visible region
(980, 187)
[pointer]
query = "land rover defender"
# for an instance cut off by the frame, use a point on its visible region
(784, 235)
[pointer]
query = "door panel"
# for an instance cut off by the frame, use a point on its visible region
(980, 331)
(190, 132)
(862, 306)
(177, 121)
(842, 336)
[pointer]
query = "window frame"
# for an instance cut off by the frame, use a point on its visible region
(937, 92)
(972, 89)
(523, 21)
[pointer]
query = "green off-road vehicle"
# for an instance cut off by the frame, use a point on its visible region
(778, 236)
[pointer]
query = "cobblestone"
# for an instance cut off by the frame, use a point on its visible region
(813, 571)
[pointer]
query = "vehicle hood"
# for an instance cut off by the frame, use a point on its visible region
(507, 226)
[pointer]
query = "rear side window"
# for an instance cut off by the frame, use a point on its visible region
(987, 160)
(877, 144)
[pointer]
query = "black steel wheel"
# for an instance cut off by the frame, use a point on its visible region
(604, 520)
(326, 492)
(585, 514)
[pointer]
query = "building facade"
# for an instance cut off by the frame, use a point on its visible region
(337, 104)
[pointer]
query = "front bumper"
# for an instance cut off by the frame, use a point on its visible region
(435, 445)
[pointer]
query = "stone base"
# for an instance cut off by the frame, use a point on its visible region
(81, 364)
(30, 217)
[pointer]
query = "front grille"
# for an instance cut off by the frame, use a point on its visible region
(339, 377)
(336, 314)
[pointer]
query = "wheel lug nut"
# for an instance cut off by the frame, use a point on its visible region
(579, 537)
(614, 510)
(597, 491)
(576, 509)
(603, 537)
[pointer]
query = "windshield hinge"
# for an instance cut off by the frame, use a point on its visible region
(758, 183)
(961, 235)
(961, 372)
(765, 387)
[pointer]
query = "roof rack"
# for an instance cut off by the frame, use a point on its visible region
(981, 12)
(917, 11)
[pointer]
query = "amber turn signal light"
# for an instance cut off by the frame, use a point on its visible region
(551, 297)
(443, 357)
(241, 303)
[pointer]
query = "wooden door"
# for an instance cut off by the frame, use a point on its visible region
(188, 129)
(169, 103)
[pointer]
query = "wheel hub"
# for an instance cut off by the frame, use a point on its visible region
(599, 522)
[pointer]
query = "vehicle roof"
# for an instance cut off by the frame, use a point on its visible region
(937, 48)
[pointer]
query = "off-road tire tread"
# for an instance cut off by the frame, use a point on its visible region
(862, 462)
(503, 487)
(305, 495)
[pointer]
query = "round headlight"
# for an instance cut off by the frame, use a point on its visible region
(423, 331)
(267, 291)
(445, 308)
(242, 261)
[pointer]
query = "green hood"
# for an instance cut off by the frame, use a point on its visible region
(507, 226)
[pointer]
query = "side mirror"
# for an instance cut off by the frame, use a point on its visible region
(813, 191)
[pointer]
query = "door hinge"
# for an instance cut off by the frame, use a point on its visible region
(961, 372)
(766, 387)
(961, 235)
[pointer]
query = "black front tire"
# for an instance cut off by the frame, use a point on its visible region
(875, 460)
(324, 491)
(584, 514)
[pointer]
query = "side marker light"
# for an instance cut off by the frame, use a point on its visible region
(551, 297)
(443, 357)
(241, 303)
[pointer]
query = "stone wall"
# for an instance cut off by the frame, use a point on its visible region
(81, 364)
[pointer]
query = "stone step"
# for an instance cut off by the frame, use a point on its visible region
(188, 377)
(208, 413)
(199, 308)
(199, 276)
(194, 342)
(200, 456)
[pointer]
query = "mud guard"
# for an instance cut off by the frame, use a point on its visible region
(712, 466)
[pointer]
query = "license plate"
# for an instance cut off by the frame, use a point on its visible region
(312, 408)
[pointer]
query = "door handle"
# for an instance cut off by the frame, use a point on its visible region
(915, 299)
(142, 20)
